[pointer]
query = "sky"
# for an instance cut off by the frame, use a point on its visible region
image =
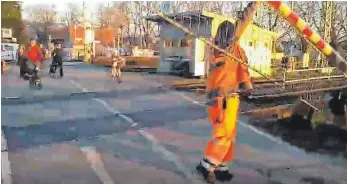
(62, 5)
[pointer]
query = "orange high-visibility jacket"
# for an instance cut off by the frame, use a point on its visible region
(226, 74)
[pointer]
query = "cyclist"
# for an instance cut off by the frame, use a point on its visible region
(57, 60)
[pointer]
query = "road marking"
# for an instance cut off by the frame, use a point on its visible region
(91, 154)
(272, 138)
(10, 97)
(255, 130)
(6, 176)
(78, 85)
(156, 146)
(97, 164)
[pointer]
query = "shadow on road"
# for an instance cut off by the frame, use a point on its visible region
(74, 129)
(81, 96)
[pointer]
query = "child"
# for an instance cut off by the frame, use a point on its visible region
(117, 64)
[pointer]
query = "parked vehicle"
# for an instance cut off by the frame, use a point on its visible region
(9, 51)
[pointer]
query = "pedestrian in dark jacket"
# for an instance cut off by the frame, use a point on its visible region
(57, 60)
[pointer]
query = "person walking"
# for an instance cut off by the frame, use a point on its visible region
(57, 60)
(225, 79)
(20, 62)
(118, 63)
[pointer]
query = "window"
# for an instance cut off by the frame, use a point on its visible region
(184, 43)
(189, 43)
(8, 48)
(167, 43)
(176, 43)
(273, 46)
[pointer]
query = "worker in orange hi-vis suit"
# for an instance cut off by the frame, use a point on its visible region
(226, 78)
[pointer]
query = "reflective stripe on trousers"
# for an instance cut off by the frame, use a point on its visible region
(221, 146)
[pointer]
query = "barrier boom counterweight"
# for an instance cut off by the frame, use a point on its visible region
(302, 27)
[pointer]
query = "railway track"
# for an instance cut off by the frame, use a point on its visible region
(266, 90)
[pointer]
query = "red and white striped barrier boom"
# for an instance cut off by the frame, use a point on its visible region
(333, 56)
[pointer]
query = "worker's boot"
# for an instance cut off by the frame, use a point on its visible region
(222, 173)
(207, 170)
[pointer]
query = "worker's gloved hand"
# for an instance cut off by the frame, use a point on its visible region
(246, 89)
(246, 94)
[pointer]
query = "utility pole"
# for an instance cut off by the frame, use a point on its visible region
(85, 39)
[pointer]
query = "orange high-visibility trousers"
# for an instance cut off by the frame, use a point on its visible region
(226, 76)
(3, 66)
(221, 147)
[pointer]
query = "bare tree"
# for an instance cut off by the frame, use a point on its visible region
(339, 22)
(138, 27)
(112, 16)
(73, 15)
(312, 13)
(42, 13)
(41, 16)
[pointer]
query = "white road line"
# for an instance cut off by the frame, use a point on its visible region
(91, 154)
(6, 176)
(78, 85)
(156, 146)
(97, 164)
(255, 130)
(272, 138)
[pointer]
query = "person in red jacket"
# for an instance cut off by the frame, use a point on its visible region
(33, 57)
(34, 53)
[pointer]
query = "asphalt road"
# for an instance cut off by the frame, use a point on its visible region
(86, 128)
